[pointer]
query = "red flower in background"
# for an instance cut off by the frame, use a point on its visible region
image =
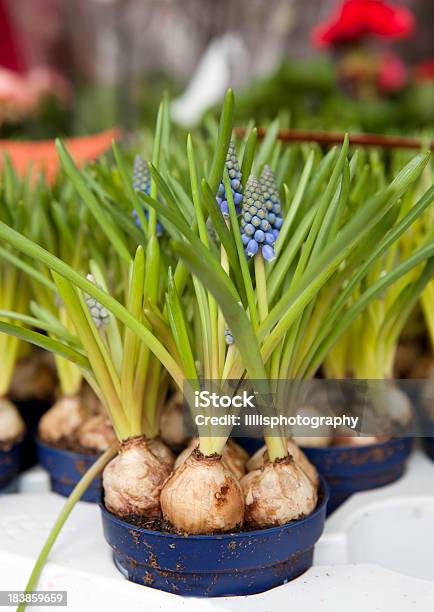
(392, 73)
(356, 19)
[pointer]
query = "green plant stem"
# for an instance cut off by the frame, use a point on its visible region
(276, 445)
(74, 497)
(261, 286)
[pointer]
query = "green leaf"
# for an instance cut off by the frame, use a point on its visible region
(224, 138)
(43, 341)
(179, 329)
(90, 200)
(218, 283)
(31, 249)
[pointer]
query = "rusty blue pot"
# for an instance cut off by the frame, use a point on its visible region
(9, 464)
(215, 566)
(66, 468)
(351, 469)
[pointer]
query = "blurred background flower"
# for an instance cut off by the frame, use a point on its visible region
(88, 64)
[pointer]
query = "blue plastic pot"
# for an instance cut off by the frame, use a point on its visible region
(9, 464)
(215, 566)
(350, 469)
(66, 468)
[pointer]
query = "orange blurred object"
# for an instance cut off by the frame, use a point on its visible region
(41, 155)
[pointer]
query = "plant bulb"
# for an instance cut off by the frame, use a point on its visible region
(12, 426)
(96, 433)
(132, 481)
(172, 422)
(261, 457)
(62, 419)
(277, 493)
(233, 457)
(203, 496)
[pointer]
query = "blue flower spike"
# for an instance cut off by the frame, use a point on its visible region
(234, 172)
(272, 200)
(142, 182)
(256, 230)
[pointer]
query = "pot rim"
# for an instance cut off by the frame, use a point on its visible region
(323, 488)
(352, 447)
(72, 454)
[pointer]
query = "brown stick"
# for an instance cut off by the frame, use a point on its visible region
(331, 138)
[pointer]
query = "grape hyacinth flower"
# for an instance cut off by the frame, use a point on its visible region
(229, 339)
(272, 200)
(236, 186)
(99, 314)
(142, 182)
(256, 230)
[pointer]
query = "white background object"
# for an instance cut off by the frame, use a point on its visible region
(376, 554)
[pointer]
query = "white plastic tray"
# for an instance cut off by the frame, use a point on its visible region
(376, 554)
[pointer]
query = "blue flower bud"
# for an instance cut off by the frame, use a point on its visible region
(238, 198)
(259, 236)
(233, 169)
(142, 182)
(141, 175)
(269, 238)
(272, 200)
(268, 252)
(252, 248)
(249, 229)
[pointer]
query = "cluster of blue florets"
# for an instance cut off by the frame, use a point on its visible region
(272, 200)
(236, 186)
(142, 182)
(256, 229)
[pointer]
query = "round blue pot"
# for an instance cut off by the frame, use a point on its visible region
(215, 566)
(9, 464)
(66, 468)
(350, 469)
